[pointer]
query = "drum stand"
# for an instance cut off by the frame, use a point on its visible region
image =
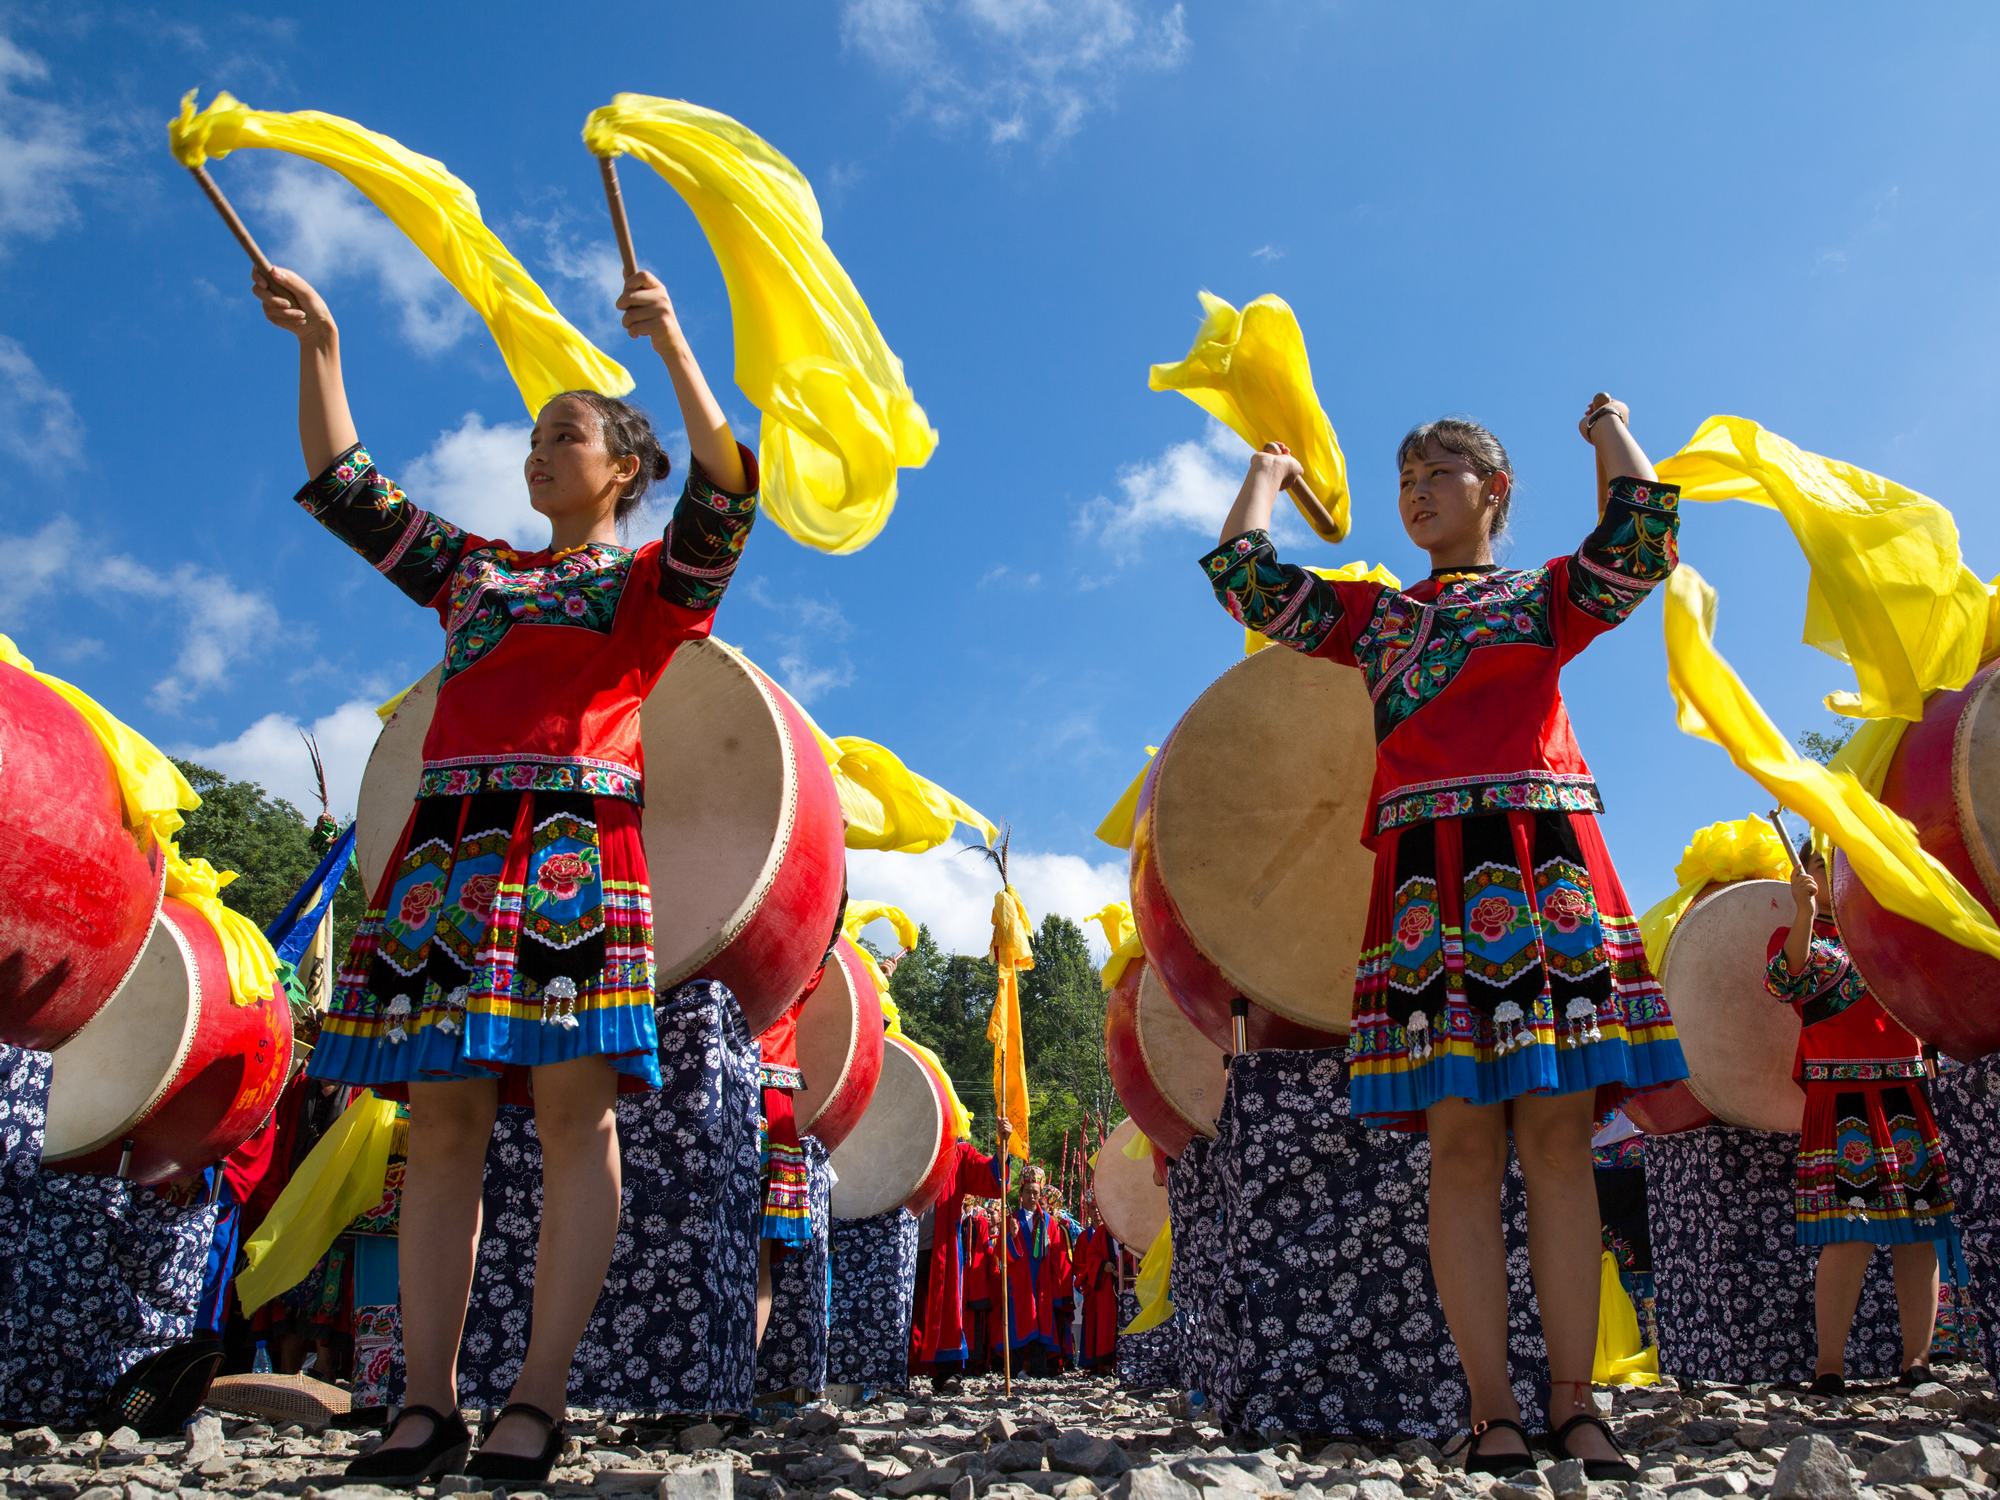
(1239, 1024)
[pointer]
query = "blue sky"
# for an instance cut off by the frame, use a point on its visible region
(1782, 211)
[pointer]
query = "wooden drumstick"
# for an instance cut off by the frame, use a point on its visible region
(1777, 817)
(1317, 515)
(620, 225)
(229, 216)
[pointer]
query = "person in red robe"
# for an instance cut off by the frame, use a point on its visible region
(1097, 1284)
(942, 1351)
(1060, 1269)
(978, 1252)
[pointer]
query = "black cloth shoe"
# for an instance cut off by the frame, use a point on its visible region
(1914, 1376)
(1593, 1468)
(1827, 1385)
(161, 1393)
(510, 1468)
(443, 1452)
(1502, 1464)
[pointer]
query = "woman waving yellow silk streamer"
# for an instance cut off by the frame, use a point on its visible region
(1890, 593)
(1746, 849)
(544, 354)
(1249, 371)
(839, 418)
(1713, 704)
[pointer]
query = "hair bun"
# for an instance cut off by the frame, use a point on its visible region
(662, 465)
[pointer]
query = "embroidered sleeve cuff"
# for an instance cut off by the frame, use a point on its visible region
(331, 482)
(1216, 564)
(706, 491)
(1647, 494)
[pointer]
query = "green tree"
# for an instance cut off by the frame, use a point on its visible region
(1818, 745)
(267, 842)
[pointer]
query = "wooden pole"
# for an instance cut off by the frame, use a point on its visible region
(229, 217)
(1317, 515)
(1006, 1325)
(620, 225)
(1777, 817)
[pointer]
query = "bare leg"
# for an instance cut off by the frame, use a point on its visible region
(1916, 1268)
(581, 1184)
(1565, 1242)
(1468, 1255)
(763, 1287)
(438, 1236)
(1836, 1294)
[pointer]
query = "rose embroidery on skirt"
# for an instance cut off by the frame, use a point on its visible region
(419, 901)
(1491, 917)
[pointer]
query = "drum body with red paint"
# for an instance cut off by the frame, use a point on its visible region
(1945, 778)
(1248, 873)
(889, 1159)
(173, 1065)
(1169, 1076)
(78, 890)
(745, 848)
(840, 1045)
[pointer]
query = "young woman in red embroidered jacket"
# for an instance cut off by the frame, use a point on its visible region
(1502, 983)
(510, 943)
(1872, 1169)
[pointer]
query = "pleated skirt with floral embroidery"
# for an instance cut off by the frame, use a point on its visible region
(1501, 958)
(511, 930)
(1871, 1165)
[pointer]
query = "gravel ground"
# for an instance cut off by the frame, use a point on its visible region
(1082, 1437)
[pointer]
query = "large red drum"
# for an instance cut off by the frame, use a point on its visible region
(1945, 778)
(172, 1065)
(1169, 1076)
(891, 1158)
(744, 841)
(1132, 1205)
(1248, 874)
(1739, 1040)
(78, 890)
(840, 1049)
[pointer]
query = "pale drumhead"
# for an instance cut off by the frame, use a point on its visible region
(1131, 1204)
(829, 1037)
(110, 1075)
(1975, 782)
(1189, 1070)
(721, 794)
(1257, 819)
(1740, 1041)
(886, 1158)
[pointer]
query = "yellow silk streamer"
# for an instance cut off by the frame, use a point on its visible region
(1155, 1272)
(839, 416)
(152, 788)
(889, 806)
(253, 966)
(1746, 849)
(1622, 1356)
(1249, 371)
(1123, 936)
(861, 913)
(1116, 829)
(1713, 704)
(1354, 572)
(341, 1178)
(961, 1117)
(1012, 952)
(1138, 1148)
(544, 353)
(1890, 593)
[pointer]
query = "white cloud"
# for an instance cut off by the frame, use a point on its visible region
(472, 475)
(38, 422)
(330, 234)
(1188, 488)
(221, 625)
(271, 753)
(809, 681)
(950, 890)
(817, 624)
(43, 154)
(1267, 253)
(1016, 69)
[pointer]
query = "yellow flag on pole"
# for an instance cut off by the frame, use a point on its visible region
(544, 353)
(1012, 952)
(1249, 371)
(839, 416)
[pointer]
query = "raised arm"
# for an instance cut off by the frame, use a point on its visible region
(326, 426)
(649, 314)
(1607, 427)
(1805, 905)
